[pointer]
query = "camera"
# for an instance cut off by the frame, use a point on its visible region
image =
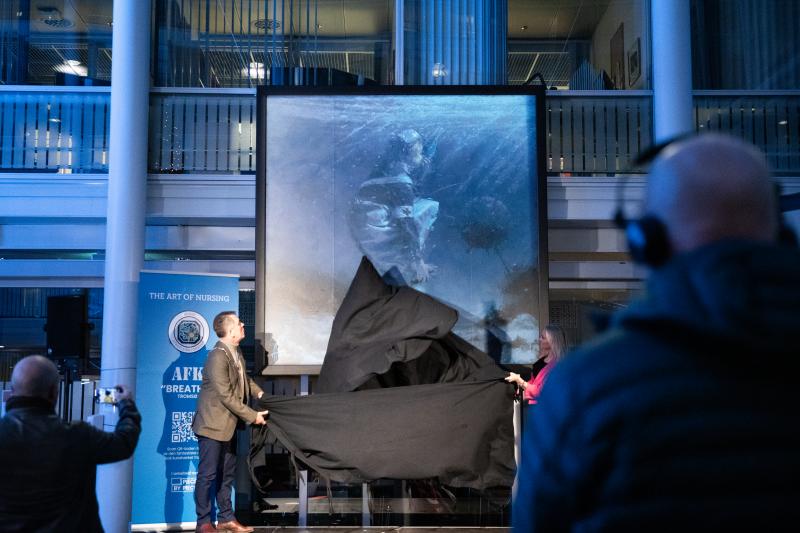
(103, 395)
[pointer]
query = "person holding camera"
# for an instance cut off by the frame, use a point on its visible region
(48, 465)
(222, 408)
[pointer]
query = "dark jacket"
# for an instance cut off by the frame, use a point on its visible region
(685, 416)
(223, 395)
(47, 466)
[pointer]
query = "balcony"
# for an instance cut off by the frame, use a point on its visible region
(197, 131)
(52, 129)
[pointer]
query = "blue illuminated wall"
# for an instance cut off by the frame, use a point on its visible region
(455, 42)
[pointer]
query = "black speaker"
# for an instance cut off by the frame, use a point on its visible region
(67, 327)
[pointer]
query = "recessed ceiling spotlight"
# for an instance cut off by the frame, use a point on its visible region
(58, 22)
(267, 24)
(524, 27)
(53, 17)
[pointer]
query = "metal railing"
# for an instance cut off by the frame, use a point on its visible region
(597, 132)
(53, 129)
(588, 132)
(768, 119)
(197, 131)
(202, 132)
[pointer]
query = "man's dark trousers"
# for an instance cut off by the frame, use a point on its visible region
(216, 470)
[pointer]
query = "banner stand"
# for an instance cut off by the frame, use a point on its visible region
(176, 314)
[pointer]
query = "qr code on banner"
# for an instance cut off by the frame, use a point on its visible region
(182, 426)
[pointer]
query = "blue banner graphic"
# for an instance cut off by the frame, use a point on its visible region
(175, 333)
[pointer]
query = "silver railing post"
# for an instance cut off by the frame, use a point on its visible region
(302, 486)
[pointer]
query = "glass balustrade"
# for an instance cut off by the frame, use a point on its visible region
(588, 132)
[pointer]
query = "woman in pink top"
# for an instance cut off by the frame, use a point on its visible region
(552, 347)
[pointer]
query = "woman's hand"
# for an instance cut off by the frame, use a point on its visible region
(516, 378)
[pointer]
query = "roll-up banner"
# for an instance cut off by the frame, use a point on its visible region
(176, 313)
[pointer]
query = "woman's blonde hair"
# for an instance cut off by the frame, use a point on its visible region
(558, 342)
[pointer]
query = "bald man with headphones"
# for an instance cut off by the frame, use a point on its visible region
(685, 414)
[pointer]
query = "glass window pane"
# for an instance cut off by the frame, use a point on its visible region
(574, 44)
(244, 43)
(55, 43)
(745, 44)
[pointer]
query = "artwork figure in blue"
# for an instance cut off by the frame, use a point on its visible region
(387, 218)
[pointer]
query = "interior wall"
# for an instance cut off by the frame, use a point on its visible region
(633, 15)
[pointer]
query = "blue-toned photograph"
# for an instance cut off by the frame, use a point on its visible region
(440, 192)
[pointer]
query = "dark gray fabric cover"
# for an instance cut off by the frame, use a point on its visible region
(399, 396)
(386, 336)
(460, 433)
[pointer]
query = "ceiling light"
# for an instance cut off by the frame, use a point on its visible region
(783, 122)
(267, 24)
(69, 67)
(256, 71)
(524, 27)
(439, 70)
(54, 22)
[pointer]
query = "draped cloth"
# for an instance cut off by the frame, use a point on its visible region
(399, 396)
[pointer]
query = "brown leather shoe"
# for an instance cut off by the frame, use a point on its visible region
(233, 525)
(205, 528)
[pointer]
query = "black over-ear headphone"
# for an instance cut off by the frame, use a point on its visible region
(648, 240)
(648, 243)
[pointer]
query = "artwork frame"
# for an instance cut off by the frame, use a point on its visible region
(522, 251)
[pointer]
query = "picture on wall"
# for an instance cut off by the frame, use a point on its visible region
(441, 190)
(634, 62)
(617, 50)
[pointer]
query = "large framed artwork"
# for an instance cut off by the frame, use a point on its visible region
(442, 188)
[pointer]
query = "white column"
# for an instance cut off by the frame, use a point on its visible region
(672, 68)
(125, 222)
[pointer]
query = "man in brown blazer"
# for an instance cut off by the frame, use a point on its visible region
(221, 408)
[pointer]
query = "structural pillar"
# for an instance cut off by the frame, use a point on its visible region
(672, 68)
(125, 224)
(453, 42)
